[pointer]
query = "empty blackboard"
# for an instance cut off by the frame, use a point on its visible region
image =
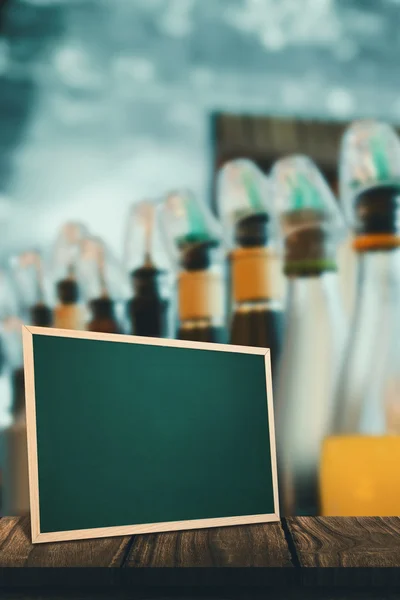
(134, 435)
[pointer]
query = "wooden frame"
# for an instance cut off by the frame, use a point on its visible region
(37, 536)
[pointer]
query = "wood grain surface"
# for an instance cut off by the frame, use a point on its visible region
(241, 546)
(371, 546)
(346, 542)
(16, 549)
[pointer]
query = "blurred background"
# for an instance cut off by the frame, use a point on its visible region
(104, 103)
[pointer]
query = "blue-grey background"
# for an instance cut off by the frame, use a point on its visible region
(103, 102)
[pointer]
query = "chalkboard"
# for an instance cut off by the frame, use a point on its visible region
(135, 435)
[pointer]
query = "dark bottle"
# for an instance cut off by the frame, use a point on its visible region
(258, 315)
(195, 243)
(149, 308)
(256, 281)
(201, 294)
(103, 316)
(41, 315)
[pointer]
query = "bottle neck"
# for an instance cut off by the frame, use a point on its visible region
(379, 271)
(313, 289)
(68, 292)
(41, 315)
(102, 309)
(314, 310)
(149, 282)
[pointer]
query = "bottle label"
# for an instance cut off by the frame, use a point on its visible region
(201, 295)
(256, 275)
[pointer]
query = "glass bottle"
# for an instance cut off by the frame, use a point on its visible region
(368, 392)
(11, 343)
(94, 275)
(69, 313)
(257, 284)
(29, 281)
(33, 288)
(146, 260)
(193, 237)
(315, 329)
(14, 450)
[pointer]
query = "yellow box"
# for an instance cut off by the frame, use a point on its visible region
(360, 476)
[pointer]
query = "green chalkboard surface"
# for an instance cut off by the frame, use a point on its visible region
(129, 434)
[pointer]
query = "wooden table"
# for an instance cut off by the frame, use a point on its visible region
(297, 558)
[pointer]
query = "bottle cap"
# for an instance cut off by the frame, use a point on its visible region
(370, 184)
(190, 230)
(199, 256)
(148, 281)
(244, 197)
(252, 231)
(102, 308)
(67, 290)
(41, 315)
(370, 157)
(310, 218)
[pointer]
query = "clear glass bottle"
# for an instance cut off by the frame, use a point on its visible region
(33, 288)
(103, 283)
(14, 450)
(69, 313)
(11, 346)
(193, 237)
(147, 263)
(257, 283)
(13, 440)
(367, 399)
(315, 328)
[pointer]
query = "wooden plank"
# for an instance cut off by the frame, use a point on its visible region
(210, 594)
(346, 542)
(241, 546)
(16, 549)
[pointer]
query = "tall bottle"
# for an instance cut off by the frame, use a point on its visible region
(33, 304)
(93, 268)
(368, 394)
(69, 313)
(145, 257)
(347, 269)
(314, 332)
(10, 333)
(33, 289)
(14, 451)
(194, 240)
(257, 285)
